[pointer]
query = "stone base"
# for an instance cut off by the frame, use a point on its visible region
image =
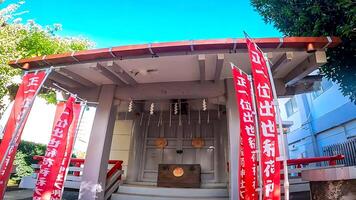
(331, 190)
(332, 183)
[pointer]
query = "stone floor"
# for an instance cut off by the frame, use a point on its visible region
(21, 194)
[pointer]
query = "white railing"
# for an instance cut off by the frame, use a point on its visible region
(74, 176)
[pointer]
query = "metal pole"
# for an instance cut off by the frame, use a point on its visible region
(258, 151)
(43, 69)
(275, 102)
(76, 96)
(15, 136)
(280, 127)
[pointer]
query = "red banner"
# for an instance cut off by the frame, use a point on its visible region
(59, 184)
(54, 166)
(267, 124)
(25, 96)
(248, 158)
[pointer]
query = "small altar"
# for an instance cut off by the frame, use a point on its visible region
(179, 175)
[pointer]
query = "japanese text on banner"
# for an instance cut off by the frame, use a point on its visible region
(248, 158)
(25, 96)
(267, 124)
(53, 168)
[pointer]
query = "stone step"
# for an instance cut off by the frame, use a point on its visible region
(141, 197)
(136, 192)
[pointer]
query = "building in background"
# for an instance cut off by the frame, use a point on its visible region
(324, 122)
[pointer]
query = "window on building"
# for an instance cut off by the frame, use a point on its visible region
(324, 85)
(291, 106)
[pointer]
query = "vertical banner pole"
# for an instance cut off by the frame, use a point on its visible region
(258, 151)
(280, 127)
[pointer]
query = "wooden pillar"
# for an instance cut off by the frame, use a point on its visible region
(233, 124)
(96, 161)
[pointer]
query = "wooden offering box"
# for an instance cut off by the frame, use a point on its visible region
(179, 175)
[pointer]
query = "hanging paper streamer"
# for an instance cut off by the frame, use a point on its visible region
(152, 107)
(204, 105)
(176, 108)
(130, 106)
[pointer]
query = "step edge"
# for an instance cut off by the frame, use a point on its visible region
(169, 197)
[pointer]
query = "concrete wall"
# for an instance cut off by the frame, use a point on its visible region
(121, 141)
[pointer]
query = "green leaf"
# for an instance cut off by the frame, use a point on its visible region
(320, 18)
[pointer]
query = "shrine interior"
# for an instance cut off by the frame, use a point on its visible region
(178, 133)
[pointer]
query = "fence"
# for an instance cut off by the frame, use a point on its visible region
(73, 179)
(348, 149)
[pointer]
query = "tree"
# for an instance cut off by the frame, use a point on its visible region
(24, 158)
(22, 40)
(320, 18)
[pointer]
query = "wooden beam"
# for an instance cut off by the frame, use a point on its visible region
(89, 94)
(77, 77)
(311, 63)
(171, 90)
(286, 57)
(120, 72)
(299, 88)
(280, 86)
(302, 86)
(219, 66)
(64, 80)
(109, 74)
(311, 79)
(201, 60)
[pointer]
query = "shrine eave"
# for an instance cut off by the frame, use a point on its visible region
(155, 49)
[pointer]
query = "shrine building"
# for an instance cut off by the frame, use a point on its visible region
(171, 107)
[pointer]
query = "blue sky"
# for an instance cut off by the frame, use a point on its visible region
(120, 22)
